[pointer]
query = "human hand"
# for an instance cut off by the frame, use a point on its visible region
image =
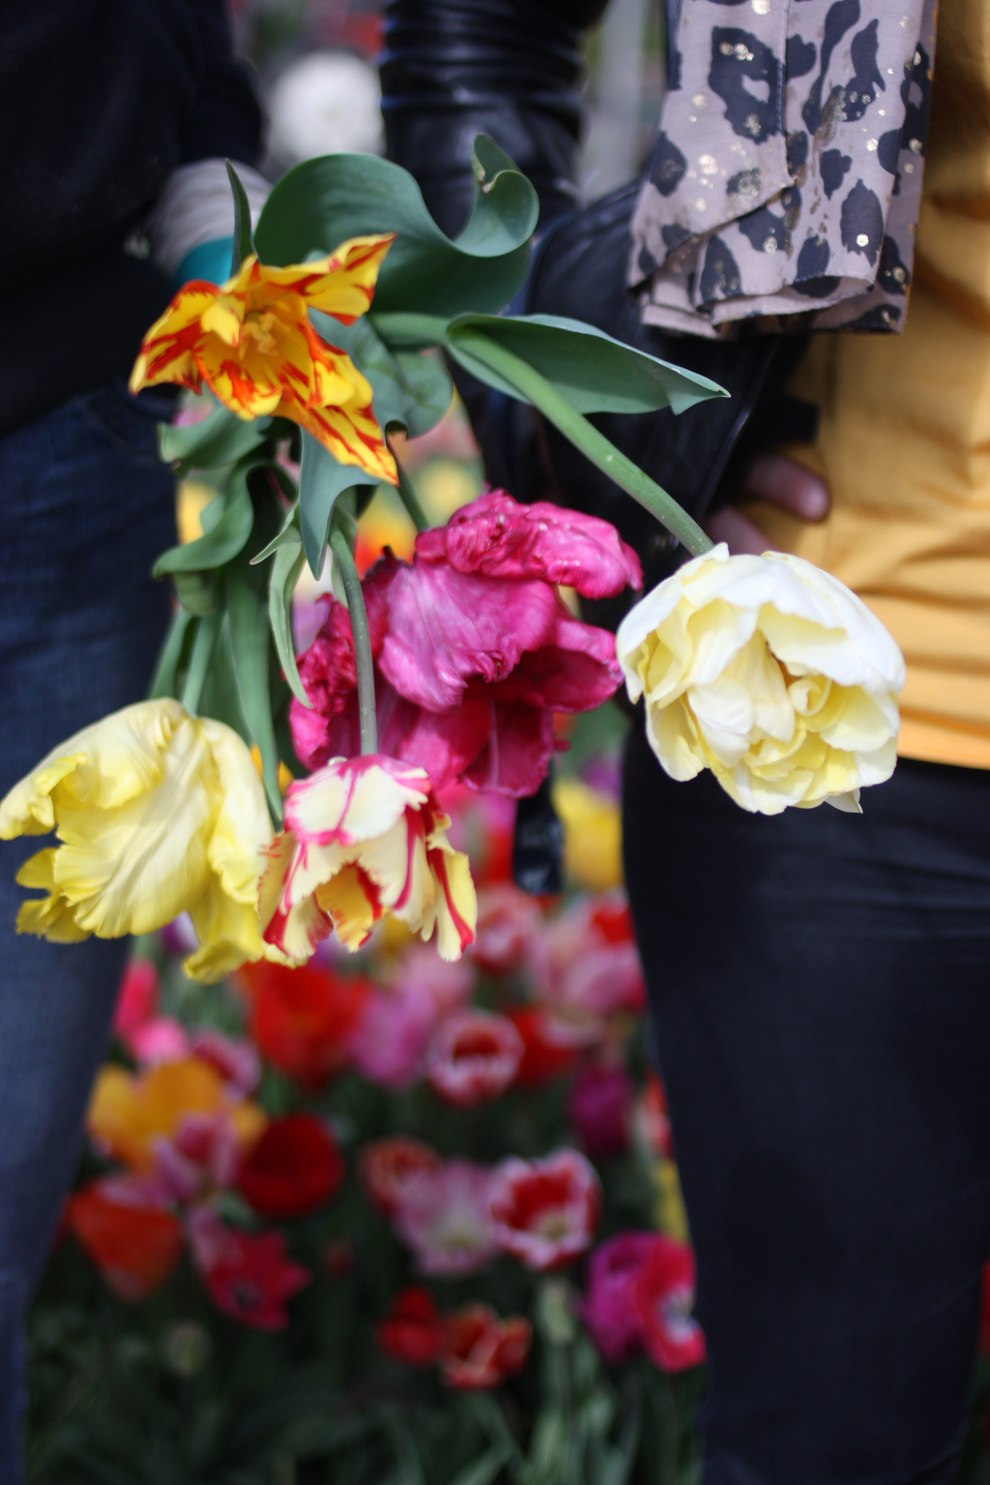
(783, 483)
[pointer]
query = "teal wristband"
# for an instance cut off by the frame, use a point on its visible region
(209, 263)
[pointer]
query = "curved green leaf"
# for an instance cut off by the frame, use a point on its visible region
(243, 246)
(595, 372)
(408, 388)
(247, 618)
(165, 680)
(289, 561)
(220, 438)
(218, 545)
(197, 592)
(321, 202)
(321, 483)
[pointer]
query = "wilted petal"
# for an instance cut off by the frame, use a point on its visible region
(497, 537)
(446, 627)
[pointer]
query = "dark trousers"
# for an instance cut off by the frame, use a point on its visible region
(820, 990)
(85, 507)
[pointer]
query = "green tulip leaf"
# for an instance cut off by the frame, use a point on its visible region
(322, 480)
(322, 202)
(230, 518)
(595, 372)
(243, 246)
(247, 617)
(220, 438)
(197, 592)
(181, 632)
(408, 389)
(289, 561)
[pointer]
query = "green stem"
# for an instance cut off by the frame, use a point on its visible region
(199, 661)
(407, 494)
(408, 331)
(364, 663)
(163, 680)
(594, 445)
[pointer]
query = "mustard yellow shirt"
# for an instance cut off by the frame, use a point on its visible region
(904, 437)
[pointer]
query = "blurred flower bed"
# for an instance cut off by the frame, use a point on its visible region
(385, 1219)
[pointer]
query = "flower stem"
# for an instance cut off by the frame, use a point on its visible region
(204, 644)
(407, 494)
(584, 436)
(364, 663)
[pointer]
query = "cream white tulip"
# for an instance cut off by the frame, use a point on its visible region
(769, 672)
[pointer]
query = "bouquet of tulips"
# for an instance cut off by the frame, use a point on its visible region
(276, 808)
(318, 350)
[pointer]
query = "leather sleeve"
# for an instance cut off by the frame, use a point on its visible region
(456, 68)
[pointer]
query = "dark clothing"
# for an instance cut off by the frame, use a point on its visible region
(820, 987)
(452, 69)
(99, 101)
(85, 507)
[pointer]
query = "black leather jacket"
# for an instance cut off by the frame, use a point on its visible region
(511, 68)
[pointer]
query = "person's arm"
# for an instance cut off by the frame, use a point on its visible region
(456, 68)
(104, 98)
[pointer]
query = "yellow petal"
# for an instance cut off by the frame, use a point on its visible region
(167, 351)
(341, 284)
(455, 904)
(135, 868)
(351, 902)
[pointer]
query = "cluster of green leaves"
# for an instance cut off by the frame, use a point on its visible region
(230, 640)
(434, 293)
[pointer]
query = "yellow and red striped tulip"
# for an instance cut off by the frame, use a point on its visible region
(365, 837)
(251, 341)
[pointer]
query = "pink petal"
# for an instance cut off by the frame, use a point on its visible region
(497, 537)
(515, 758)
(446, 627)
(574, 673)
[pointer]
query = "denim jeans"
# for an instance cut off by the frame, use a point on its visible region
(820, 989)
(85, 506)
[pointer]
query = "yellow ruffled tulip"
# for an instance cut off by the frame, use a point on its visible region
(769, 672)
(158, 813)
(250, 340)
(365, 837)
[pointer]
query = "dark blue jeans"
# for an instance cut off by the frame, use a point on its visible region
(85, 506)
(820, 988)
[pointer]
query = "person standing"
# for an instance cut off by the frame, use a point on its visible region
(105, 104)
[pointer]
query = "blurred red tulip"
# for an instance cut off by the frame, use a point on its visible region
(481, 1350)
(133, 1242)
(545, 1211)
(413, 1331)
(294, 1168)
(473, 1057)
(548, 1052)
(301, 1018)
(248, 1276)
(387, 1166)
(664, 1296)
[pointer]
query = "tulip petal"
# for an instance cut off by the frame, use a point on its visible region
(446, 627)
(341, 284)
